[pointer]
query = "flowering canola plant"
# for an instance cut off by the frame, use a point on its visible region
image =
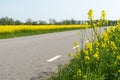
(99, 59)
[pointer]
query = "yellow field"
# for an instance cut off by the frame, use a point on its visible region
(15, 28)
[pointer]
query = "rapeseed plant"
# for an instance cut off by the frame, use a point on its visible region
(99, 59)
(119, 70)
(118, 57)
(96, 55)
(87, 58)
(89, 46)
(90, 14)
(85, 51)
(79, 72)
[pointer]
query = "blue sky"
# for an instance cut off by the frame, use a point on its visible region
(58, 9)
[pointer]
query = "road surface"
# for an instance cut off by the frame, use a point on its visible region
(34, 57)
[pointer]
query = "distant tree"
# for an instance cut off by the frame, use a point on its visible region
(52, 21)
(34, 22)
(3, 20)
(65, 22)
(79, 22)
(40, 22)
(6, 21)
(10, 21)
(17, 22)
(72, 21)
(28, 21)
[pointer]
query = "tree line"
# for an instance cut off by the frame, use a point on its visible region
(11, 21)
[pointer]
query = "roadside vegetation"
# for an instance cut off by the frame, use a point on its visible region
(99, 59)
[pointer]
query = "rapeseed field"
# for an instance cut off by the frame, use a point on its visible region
(22, 30)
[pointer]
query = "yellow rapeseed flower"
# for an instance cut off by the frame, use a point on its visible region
(76, 43)
(103, 14)
(96, 43)
(76, 56)
(105, 37)
(112, 28)
(94, 25)
(87, 57)
(103, 45)
(119, 70)
(96, 55)
(79, 72)
(118, 57)
(89, 46)
(85, 52)
(97, 49)
(90, 14)
(113, 46)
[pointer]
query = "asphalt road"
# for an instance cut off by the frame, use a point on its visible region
(34, 57)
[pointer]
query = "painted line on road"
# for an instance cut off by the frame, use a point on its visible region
(54, 58)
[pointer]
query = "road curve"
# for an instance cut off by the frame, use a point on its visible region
(34, 57)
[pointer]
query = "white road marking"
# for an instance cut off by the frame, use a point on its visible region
(54, 58)
(76, 47)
